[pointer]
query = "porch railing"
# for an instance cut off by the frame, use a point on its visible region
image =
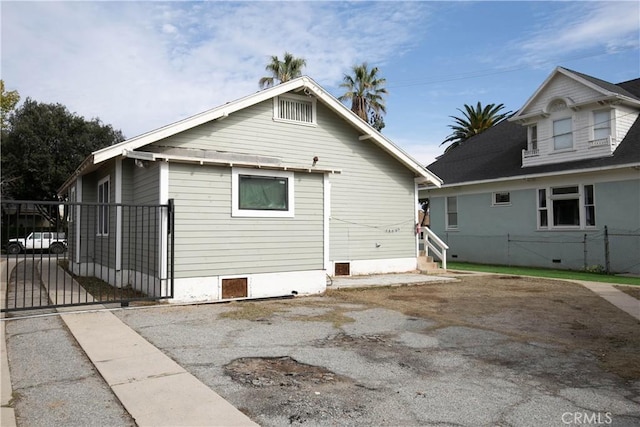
(431, 241)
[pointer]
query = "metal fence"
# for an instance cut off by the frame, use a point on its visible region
(609, 250)
(65, 253)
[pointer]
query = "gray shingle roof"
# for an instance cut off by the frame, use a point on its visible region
(615, 88)
(497, 152)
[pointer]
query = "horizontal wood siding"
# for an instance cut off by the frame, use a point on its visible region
(100, 249)
(142, 241)
(209, 241)
(624, 118)
(562, 86)
(372, 201)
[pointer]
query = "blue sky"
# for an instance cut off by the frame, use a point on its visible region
(142, 65)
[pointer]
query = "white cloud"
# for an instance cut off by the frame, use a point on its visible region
(141, 65)
(581, 26)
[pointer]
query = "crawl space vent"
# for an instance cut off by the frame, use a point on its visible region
(343, 269)
(234, 288)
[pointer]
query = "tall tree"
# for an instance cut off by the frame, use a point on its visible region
(365, 89)
(42, 147)
(8, 101)
(473, 122)
(287, 69)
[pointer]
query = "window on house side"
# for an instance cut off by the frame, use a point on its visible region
(543, 213)
(452, 212)
(533, 137)
(267, 193)
(567, 207)
(503, 198)
(71, 207)
(260, 193)
(562, 134)
(601, 125)
(589, 206)
(103, 207)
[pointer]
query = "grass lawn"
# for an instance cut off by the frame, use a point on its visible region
(542, 272)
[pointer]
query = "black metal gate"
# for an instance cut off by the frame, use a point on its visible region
(59, 254)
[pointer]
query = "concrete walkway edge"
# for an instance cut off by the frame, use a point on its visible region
(624, 302)
(154, 389)
(7, 413)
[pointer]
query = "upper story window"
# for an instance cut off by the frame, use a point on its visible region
(103, 208)
(452, 213)
(601, 125)
(261, 193)
(562, 134)
(533, 138)
(295, 109)
(567, 207)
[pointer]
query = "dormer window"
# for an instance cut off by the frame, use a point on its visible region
(562, 134)
(295, 109)
(533, 138)
(601, 125)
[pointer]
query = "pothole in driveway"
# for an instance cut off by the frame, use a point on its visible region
(280, 372)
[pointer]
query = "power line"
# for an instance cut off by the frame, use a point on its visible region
(494, 71)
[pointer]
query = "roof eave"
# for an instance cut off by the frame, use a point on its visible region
(86, 163)
(635, 165)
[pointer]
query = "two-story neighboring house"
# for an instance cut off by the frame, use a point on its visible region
(557, 185)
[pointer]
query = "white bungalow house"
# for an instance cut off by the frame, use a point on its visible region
(557, 185)
(270, 194)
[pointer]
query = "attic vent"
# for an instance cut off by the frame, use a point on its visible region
(297, 109)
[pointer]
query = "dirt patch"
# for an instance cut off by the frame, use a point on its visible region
(633, 291)
(525, 309)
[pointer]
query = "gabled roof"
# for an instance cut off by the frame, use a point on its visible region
(305, 83)
(608, 91)
(496, 154)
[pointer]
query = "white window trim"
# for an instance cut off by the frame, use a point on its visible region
(446, 214)
(78, 217)
(98, 217)
(592, 123)
(71, 217)
(553, 135)
(496, 203)
(530, 139)
(312, 100)
(581, 207)
(235, 190)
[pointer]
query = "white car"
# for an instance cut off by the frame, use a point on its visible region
(55, 243)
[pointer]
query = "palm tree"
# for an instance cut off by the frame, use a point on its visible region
(365, 89)
(282, 71)
(474, 121)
